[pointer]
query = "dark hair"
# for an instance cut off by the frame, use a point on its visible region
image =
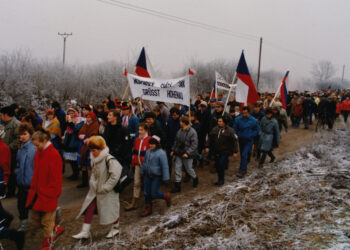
(174, 110)
(30, 117)
(21, 112)
(115, 113)
(245, 108)
(185, 120)
(154, 141)
(8, 110)
(25, 127)
(55, 104)
(14, 106)
(144, 126)
(87, 107)
(103, 116)
(268, 111)
(223, 119)
(150, 115)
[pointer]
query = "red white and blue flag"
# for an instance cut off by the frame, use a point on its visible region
(141, 65)
(245, 90)
(191, 72)
(213, 91)
(284, 92)
(125, 71)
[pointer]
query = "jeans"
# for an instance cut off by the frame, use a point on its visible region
(221, 162)
(151, 188)
(188, 167)
(21, 202)
(245, 147)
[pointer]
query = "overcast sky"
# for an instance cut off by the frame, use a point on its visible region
(317, 29)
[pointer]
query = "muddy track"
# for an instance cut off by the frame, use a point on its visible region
(72, 198)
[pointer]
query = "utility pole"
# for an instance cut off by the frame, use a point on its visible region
(257, 81)
(64, 35)
(342, 77)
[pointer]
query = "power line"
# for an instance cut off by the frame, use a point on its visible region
(179, 19)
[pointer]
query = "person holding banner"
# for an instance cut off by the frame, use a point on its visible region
(246, 128)
(184, 150)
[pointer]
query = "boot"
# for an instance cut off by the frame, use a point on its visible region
(57, 231)
(176, 188)
(272, 159)
(187, 178)
(241, 173)
(84, 233)
(46, 245)
(167, 198)
(195, 182)
(148, 210)
(75, 170)
(113, 232)
(132, 205)
(219, 183)
(23, 226)
(85, 180)
(18, 238)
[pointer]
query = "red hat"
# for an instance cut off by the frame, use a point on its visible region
(125, 106)
(50, 112)
(92, 115)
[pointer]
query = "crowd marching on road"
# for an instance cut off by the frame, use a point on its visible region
(113, 143)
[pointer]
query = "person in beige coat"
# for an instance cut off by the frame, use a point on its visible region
(101, 196)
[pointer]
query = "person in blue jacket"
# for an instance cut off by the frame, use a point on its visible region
(24, 171)
(130, 121)
(155, 169)
(246, 127)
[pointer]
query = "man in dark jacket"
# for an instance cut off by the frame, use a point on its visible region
(327, 111)
(172, 126)
(223, 141)
(309, 109)
(184, 149)
(61, 116)
(246, 128)
(154, 128)
(118, 138)
(219, 112)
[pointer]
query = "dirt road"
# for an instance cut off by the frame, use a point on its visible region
(72, 197)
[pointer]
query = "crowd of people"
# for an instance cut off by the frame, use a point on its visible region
(165, 143)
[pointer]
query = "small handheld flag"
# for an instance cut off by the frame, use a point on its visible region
(191, 72)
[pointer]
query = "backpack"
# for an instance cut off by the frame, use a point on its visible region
(125, 179)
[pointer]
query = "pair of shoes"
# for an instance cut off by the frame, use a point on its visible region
(195, 182)
(176, 188)
(148, 210)
(219, 183)
(113, 232)
(167, 198)
(272, 159)
(132, 205)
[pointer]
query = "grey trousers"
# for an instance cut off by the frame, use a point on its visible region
(188, 166)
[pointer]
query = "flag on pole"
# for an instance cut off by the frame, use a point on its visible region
(141, 65)
(213, 90)
(125, 71)
(284, 92)
(191, 72)
(245, 90)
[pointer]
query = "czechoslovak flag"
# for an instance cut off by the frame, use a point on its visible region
(141, 65)
(245, 90)
(284, 92)
(191, 72)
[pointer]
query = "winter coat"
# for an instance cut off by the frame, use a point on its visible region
(141, 145)
(171, 129)
(101, 187)
(204, 119)
(223, 140)
(119, 143)
(338, 110)
(5, 160)
(11, 136)
(133, 126)
(308, 107)
(297, 110)
(54, 130)
(25, 163)
(327, 108)
(88, 130)
(345, 105)
(71, 141)
(246, 128)
(216, 116)
(156, 164)
(156, 129)
(46, 184)
(258, 116)
(186, 142)
(61, 116)
(269, 134)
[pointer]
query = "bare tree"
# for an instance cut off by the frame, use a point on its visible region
(323, 71)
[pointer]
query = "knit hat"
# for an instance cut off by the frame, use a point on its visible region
(2, 131)
(92, 115)
(50, 112)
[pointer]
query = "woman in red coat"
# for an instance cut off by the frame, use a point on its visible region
(345, 108)
(141, 145)
(45, 187)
